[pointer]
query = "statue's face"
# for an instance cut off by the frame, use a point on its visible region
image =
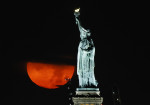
(88, 32)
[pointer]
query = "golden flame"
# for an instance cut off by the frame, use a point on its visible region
(77, 10)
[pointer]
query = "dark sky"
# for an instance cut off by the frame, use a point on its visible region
(48, 33)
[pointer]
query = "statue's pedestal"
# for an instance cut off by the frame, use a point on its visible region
(87, 96)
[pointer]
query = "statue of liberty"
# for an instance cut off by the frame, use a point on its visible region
(85, 58)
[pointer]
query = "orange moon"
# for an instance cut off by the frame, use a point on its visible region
(49, 76)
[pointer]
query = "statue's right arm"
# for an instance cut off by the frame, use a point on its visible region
(78, 23)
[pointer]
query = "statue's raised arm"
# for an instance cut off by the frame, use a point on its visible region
(83, 31)
(77, 13)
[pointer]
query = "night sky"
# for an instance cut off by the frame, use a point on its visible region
(47, 33)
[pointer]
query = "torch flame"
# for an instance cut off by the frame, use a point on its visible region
(77, 10)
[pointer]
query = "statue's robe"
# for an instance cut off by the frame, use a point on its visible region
(85, 63)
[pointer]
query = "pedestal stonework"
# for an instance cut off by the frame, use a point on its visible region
(88, 96)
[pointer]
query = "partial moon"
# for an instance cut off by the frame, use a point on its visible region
(49, 76)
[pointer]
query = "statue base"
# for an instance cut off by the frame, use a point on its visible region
(90, 96)
(85, 89)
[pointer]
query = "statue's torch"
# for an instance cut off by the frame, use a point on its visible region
(77, 12)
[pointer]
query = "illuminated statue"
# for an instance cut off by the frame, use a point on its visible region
(85, 59)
